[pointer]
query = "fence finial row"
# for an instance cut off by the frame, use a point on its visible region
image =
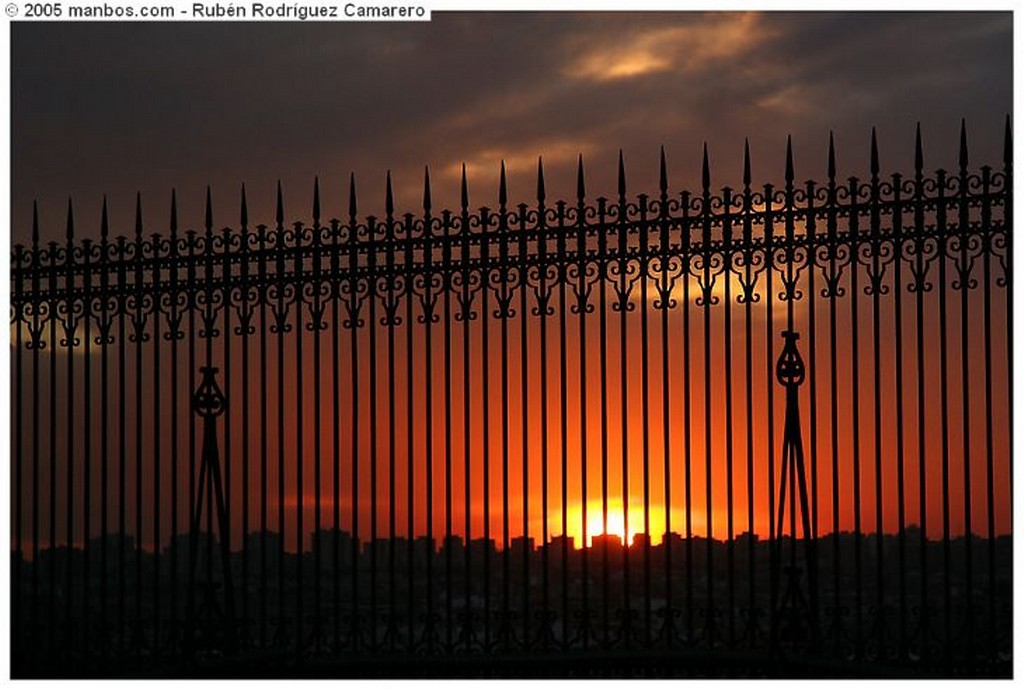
(503, 197)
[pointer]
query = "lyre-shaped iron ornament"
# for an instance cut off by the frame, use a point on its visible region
(211, 627)
(795, 615)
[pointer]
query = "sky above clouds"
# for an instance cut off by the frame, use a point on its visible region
(119, 108)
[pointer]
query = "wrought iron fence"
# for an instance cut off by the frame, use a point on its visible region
(379, 444)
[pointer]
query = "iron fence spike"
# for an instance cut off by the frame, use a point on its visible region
(244, 219)
(540, 179)
(316, 199)
(353, 207)
(662, 173)
(746, 163)
(502, 187)
(426, 189)
(963, 143)
(35, 220)
(464, 189)
(138, 214)
(622, 176)
(581, 190)
(705, 174)
(71, 222)
(874, 153)
(279, 214)
(831, 157)
(104, 225)
(209, 209)
(789, 160)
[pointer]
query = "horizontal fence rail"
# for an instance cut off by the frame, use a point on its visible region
(759, 432)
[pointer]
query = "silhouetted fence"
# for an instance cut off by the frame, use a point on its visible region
(531, 432)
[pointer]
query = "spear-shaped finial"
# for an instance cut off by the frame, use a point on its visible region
(622, 176)
(918, 151)
(353, 208)
(209, 210)
(279, 214)
(581, 189)
(105, 225)
(963, 144)
(138, 214)
(789, 160)
(502, 187)
(426, 189)
(1007, 144)
(705, 175)
(831, 156)
(244, 211)
(874, 154)
(174, 210)
(746, 162)
(662, 173)
(540, 180)
(316, 199)
(464, 189)
(35, 220)
(71, 222)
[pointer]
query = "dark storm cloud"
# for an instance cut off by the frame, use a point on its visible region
(112, 108)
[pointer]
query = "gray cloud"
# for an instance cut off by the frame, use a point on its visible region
(115, 108)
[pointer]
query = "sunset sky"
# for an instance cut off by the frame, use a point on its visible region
(119, 108)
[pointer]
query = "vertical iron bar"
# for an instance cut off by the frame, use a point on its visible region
(603, 265)
(687, 242)
(157, 412)
(855, 383)
(727, 249)
(966, 284)
(300, 459)
(897, 286)
(264, 365)
(52, 542)
(645, 412)
(244, 329)
(70, 330)
(942, 229)
(524, 417)
(87, 634)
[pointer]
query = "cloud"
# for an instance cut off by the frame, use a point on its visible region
(692, 47)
